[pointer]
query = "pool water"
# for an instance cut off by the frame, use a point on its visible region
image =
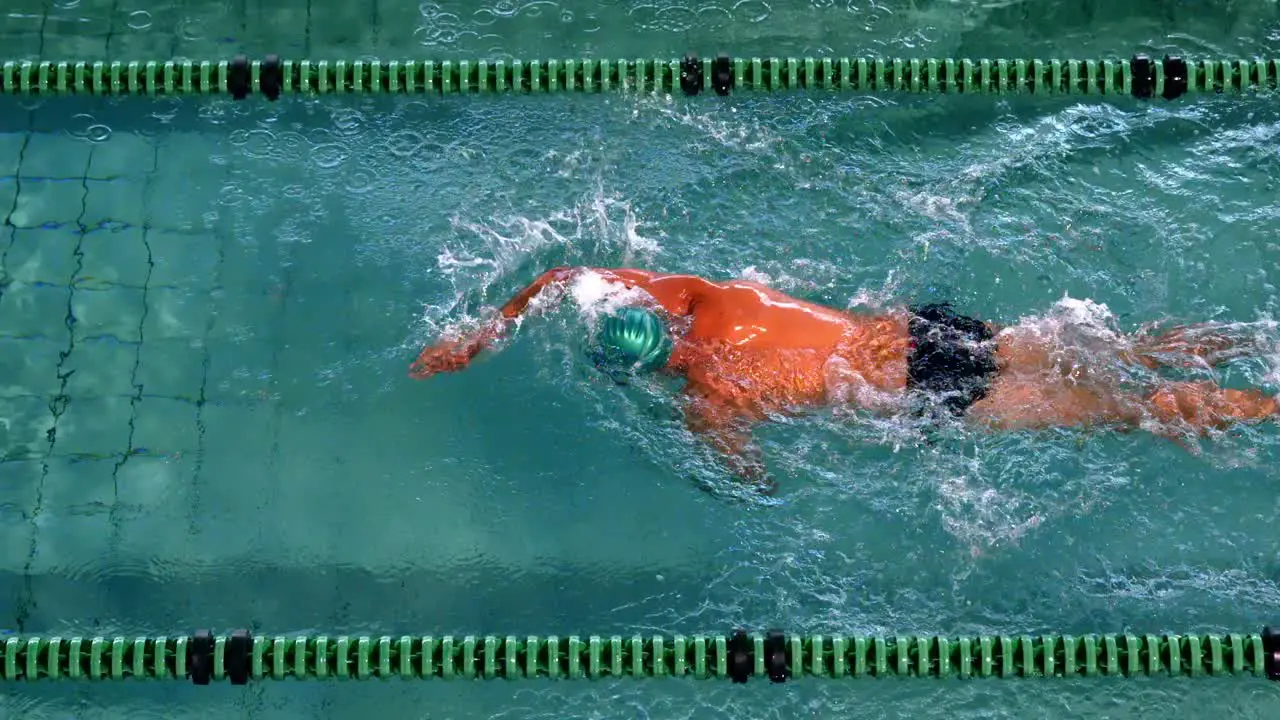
(209, 309)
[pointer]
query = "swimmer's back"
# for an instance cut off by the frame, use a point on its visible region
(742, 313)
(756, 347)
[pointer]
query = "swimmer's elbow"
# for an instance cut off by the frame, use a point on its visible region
(516, 305)
(561, 273)
(557, 275)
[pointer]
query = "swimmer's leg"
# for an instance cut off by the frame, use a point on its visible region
(1171, 410)
(1199, 345)
(727, 430)
(1203, 406)
(1041, 401)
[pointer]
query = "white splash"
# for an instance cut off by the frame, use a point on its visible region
(597, 295)
(1077, 334)
(727, 129)
(755, 275)
(491, 248)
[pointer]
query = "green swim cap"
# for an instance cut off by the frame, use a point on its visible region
(634, 338)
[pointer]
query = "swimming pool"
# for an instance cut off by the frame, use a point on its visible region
(237, 443)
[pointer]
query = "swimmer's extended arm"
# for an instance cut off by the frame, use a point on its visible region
(676, 293)
(452, 355)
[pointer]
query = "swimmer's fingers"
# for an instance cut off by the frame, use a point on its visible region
(443, 357)
(454, 355)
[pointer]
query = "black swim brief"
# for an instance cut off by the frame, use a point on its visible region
(952, 360)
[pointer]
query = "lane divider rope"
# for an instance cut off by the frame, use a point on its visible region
(1140, 76)
(241, 657)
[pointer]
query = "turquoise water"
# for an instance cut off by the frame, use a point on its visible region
(213, 305)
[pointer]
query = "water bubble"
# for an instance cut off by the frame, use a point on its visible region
(319, 136)
(405, 143)
(426, 35)
(230, 195)
(98, 133)
(347, 120)
(139, 20)
(295, 191)
(165, 115)
(675, 19)
(93, 131)
(505, 8)
(361, 181)
(289, 145)
(78, 119)
(428, 9)
(752, 10)
(566, 16)
(416, 106)
(259, 144)
(191, 29)
(722, 17)
(329, 155)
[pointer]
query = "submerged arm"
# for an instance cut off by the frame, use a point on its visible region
(728, 432)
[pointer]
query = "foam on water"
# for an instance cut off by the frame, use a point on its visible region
(597, 296)
(1080, 334)
(731, 130)
(482, 263)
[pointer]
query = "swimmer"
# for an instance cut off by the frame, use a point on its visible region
(747, 351)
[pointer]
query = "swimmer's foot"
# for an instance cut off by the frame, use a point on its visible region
(739, 488)
(1200, 406)
(767, 487)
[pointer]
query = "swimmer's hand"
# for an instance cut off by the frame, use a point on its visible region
(449, 356)
(452, 355)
